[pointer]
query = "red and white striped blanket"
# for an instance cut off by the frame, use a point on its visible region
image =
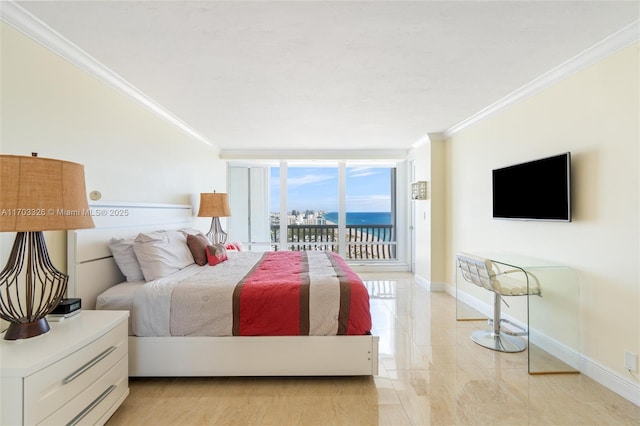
(260, 294)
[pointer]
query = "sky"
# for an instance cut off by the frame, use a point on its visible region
(316, 188)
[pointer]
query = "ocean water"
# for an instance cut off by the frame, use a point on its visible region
(362, 218)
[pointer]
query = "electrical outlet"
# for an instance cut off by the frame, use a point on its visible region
(631, 361)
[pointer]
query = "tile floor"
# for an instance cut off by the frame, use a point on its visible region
(430, 374)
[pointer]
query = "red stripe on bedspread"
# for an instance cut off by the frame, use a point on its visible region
(273, 299)
(359, 316)
(269, 301)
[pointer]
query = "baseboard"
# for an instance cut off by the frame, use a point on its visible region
(480, 306)
(564, 353)
(437, 286)
(608, 378)
(450, 290)
(378, 266)
(425, 283)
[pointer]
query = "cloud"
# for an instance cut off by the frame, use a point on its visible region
(295, 182)
(355, 172)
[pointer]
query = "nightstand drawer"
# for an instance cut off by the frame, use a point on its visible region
(91, 406)
(54, 386)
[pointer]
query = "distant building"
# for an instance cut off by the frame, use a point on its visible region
(296, 217)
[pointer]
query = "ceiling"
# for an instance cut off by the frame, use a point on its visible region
(330, 75)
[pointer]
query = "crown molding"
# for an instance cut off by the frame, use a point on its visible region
(610, 45)
(316, 154)
(29, 25)
(436, 137)
(422, 141)
(23, 21)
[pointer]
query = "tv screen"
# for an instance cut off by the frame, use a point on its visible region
(535, 190)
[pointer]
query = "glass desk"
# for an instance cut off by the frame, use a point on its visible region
(552, 319)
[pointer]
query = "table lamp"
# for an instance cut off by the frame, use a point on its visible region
(36, 195)
(215, 205)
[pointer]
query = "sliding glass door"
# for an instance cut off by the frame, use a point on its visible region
(370, 213)
(311, 197)
(341, 206)
(249, 225)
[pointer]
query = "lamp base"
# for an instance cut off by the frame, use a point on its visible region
(18, 331)
(30, 287)
(216, 235)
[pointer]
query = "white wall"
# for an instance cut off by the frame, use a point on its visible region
(51, 107)
(429, 215)
(595, 115)
(437, 194)
(422, 215)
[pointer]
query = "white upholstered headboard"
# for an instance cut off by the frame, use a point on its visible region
(90, 265)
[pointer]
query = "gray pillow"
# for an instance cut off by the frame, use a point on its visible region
(162, 253)
(125, 257)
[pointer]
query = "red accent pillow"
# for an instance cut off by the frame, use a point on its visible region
(216, 254)
(233, 246)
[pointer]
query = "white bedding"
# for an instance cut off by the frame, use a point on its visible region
(152, 302)
(149, 302)
(119, 298)
(197, 300)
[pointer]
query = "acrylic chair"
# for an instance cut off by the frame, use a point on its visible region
(492, 276)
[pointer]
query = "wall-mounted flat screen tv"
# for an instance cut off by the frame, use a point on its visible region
(535, 190)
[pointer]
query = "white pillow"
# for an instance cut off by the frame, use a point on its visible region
(162, 253)
(125, 257)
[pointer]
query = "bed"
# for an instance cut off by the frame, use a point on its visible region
(167, 340)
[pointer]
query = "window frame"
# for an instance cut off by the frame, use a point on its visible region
(399, 208)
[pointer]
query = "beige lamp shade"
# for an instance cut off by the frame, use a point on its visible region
(42, 194)
(214, 205)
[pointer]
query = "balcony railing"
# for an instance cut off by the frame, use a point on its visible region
(363, 242)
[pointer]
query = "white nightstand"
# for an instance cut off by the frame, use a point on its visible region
(75, 373)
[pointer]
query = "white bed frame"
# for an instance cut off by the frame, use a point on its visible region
(92, 270)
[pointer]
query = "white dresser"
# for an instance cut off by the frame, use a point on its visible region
(77, 373)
